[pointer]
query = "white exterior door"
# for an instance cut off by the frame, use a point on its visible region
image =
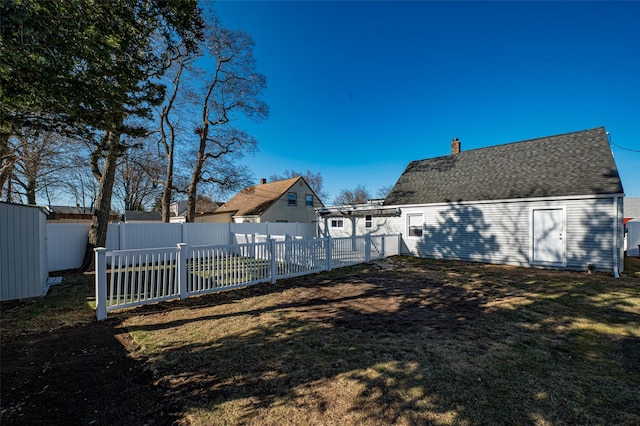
(548, 236)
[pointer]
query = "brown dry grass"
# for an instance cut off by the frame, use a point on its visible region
(417, 342)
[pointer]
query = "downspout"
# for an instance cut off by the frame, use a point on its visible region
(616, 217)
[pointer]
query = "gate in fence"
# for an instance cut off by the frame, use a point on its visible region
(127, 278)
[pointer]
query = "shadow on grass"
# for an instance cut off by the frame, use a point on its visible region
(60, 366)
(429, 341)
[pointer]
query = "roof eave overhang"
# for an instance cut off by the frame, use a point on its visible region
(352, 211)
(514, 200)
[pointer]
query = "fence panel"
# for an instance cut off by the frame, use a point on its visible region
(136, 277)
(215, 268)
(207, 234)
(66, 245)
(126, 278)
(347, 251)
(146, 235)
(297, 257)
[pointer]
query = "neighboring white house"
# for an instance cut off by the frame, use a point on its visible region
(288, 200)
(553, 202)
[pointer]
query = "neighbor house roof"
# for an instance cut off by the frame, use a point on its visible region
(255, 200)
(578, 163)
(134, 215)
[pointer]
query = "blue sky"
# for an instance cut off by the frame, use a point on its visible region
(358, 89)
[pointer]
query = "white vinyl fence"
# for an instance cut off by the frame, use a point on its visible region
(67, 242)
(127, 278)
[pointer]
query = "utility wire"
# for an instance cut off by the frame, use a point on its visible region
(626, 149)
(621, 147)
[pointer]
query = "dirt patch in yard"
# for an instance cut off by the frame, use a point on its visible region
(371, 344)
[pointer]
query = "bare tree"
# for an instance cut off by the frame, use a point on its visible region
(315, 181)
(169, 126)
(384, 191)
(137, 178)
(80, 183)
(232, 90)
(358, 195)
(36, 163)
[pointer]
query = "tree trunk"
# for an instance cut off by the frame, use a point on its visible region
(31, 191)
(100, 220)
(168, 188)
(6, 161)
(192, 192)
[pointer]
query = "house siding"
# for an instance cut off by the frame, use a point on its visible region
(281, 210)
(500, 232)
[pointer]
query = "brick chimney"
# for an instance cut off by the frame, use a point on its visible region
(455, 146)
(263, 181)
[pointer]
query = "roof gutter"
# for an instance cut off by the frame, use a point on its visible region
(514, 200)
(355, 211)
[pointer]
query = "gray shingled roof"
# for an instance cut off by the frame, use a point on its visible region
(578, 163)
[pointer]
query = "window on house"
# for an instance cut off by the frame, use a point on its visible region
(308, 200)
(367, 221)
(293, 199)
(414, 225)
(337, 223)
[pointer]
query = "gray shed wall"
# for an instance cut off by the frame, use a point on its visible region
(23, 255)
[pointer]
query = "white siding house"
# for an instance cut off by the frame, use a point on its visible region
(287, 200)
(23, 251)
(551, 202)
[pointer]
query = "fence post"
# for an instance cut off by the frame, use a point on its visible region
(329, 252)
(288, 245)
(367, 248)
(384, 255)
(273, 264)
(399, 243)
(101, 283)
(182, 270)
(123, 245)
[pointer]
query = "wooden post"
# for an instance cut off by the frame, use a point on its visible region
(101, 282)
(183, 248)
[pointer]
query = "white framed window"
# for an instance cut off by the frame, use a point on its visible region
(368, 221)
(308, 200)
(337, 223)
(293, 199)
(415, 223)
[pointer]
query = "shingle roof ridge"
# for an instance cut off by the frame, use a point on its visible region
(511, 143)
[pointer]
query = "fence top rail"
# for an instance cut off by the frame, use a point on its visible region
(143, 251)
(227, 246)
